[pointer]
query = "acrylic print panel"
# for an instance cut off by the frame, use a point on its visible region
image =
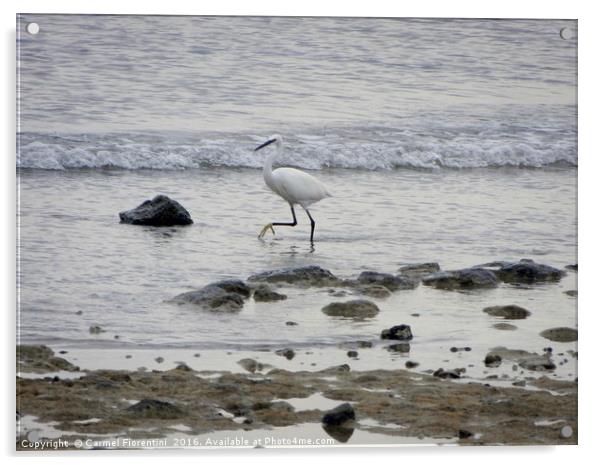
(413, 186)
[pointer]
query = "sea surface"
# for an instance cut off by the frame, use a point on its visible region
(441, 140)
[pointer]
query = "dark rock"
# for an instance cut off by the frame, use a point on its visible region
(509, 312)
(152, 408)
(223, 296)
(468, 278)
(234, 285)
(529, 272)
(418, 270)
(399, 332)
(305, 276)
(391, 282)
(291, 323)
(356, 309)
(540, 363)
(289, 354)
(527, 360)
(251, 365)
(447, 374)
(453, 349)
(339, 415)
(572, 267)
(159, 360)
(182, 367)
(352, 354)
(493, 360)
(160, 211)
(464, 434)
(264, 293)
(410, 364)
(560, 334)
(402, 347)
(571, 293)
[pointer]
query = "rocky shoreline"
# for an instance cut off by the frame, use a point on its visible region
(416, 403)
(398, 403)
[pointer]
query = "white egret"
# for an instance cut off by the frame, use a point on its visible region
(294, 186)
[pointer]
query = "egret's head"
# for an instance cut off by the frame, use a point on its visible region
(276, 138)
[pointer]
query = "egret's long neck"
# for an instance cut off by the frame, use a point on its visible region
(267, 167)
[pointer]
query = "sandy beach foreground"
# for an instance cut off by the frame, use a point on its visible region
(182, 407)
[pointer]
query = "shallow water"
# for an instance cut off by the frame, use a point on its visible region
(110, 115)
(75, 256)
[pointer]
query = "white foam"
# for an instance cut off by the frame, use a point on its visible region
(419, 148)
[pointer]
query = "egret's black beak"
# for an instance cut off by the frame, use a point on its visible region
(264, 144)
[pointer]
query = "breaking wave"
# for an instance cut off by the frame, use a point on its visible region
(369, 151)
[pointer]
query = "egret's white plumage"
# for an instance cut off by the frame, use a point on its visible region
(293, 185)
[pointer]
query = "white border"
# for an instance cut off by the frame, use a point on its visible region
(590, 235)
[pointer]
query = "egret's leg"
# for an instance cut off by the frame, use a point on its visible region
(313, 226)
(270, 226)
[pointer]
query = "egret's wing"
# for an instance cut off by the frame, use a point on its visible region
(298, 186)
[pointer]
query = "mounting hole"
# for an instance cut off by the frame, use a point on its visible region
(566, 33)
(566, 431)
(32, 28)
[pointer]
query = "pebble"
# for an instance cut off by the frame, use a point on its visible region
(289, 354)
(464, 434)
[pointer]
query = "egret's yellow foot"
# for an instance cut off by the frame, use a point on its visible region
(265, 229)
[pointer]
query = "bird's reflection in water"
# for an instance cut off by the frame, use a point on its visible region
(340, 433)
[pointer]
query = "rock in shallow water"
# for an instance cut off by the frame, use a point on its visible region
(339, 415)
(493, 360)
(391, 282)
(305, 276)
(528, 272)
(468, 278)
(560, 334)
(509, 312)
(251, 365)
(356, 309)
(160, 211)
(528, 360)
(223, 296)
(289, 354)
(264, 293)
(418, 270)
(399, 332)
(448, 374)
